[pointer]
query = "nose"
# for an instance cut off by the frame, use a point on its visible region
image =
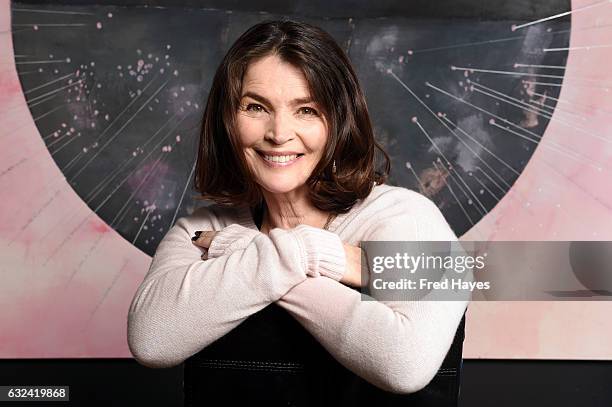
(281, 128)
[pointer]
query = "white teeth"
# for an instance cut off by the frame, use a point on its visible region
(280, 158)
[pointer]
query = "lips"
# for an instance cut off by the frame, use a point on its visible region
(279, 160)
(278, 153)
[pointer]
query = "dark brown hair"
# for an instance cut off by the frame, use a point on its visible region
(222, 173)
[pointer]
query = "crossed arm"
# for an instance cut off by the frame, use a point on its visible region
(186, 303)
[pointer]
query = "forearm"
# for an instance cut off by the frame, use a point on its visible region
(397, 346)
(184, 303)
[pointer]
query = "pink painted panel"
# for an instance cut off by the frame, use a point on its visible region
(63, 295)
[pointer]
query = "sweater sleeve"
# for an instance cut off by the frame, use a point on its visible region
(324, 249)
(230, 238)
(185, 303)
(396, 345)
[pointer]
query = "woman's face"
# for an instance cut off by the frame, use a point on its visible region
(282, 131)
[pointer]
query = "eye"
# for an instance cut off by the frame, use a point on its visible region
(254, 107)
(309, 111)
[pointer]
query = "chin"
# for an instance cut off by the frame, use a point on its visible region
(281, 186)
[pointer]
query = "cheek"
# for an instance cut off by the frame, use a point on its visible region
(316, 138)
(249, 130)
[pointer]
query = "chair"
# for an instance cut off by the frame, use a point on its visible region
(270, 359)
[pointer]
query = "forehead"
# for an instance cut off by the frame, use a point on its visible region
(273, 75)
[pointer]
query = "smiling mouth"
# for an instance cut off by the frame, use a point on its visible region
(279, 161)
(280, 158)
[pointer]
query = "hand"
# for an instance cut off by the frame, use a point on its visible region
(203, 239)
(352, 276)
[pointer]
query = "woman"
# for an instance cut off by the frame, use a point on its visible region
(287, 153)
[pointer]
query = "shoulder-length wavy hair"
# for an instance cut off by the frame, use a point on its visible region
(222, 173)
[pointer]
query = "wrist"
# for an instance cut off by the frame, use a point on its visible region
(230, 238)
(324, 251)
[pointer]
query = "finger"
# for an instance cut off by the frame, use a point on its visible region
(202, 238)
(207, 237)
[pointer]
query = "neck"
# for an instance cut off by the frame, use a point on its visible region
(290, 209)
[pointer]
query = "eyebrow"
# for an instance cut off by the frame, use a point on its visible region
(263, 99)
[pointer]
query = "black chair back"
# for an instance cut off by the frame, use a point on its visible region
(270, 359)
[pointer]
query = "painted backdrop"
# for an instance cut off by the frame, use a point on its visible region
(500, 118)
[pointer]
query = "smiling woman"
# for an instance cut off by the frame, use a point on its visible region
(287, 89)
(260, 290)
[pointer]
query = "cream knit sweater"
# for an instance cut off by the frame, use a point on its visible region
(184, 303)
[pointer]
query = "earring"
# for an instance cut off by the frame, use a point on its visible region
(334, 167)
